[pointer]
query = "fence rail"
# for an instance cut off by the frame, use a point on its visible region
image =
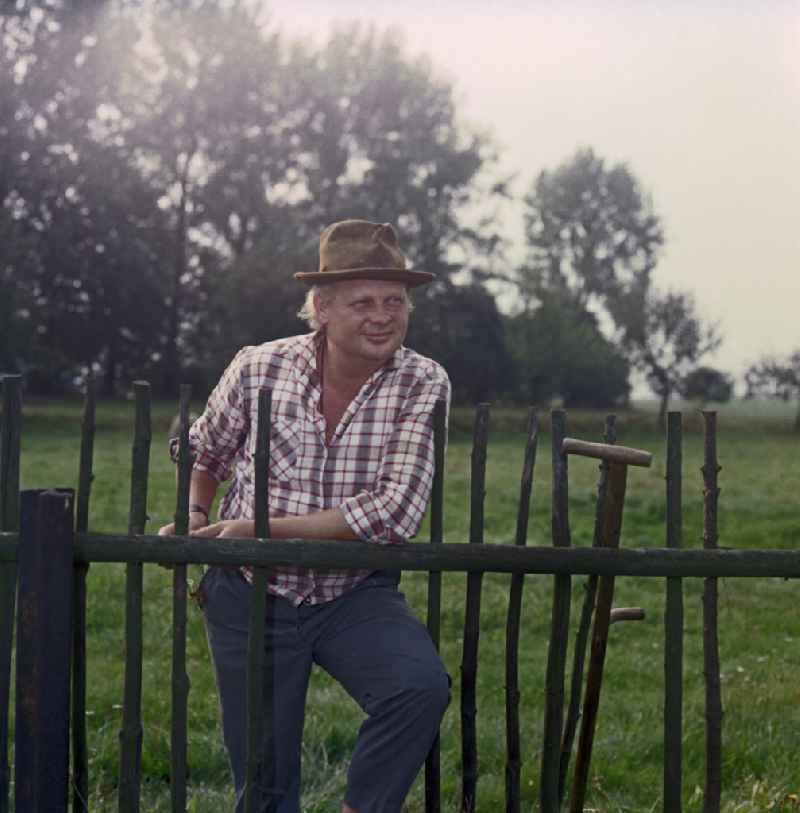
(420, 556)
(80, 548)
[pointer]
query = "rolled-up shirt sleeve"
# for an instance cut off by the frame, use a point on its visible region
(393, 511)
(217, 435)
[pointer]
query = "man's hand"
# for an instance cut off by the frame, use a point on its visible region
(228, 528)
(196, 521)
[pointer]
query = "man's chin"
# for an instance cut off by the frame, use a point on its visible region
(380, 350)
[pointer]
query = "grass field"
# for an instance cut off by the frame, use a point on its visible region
(759, 621)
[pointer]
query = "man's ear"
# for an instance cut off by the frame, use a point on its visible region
(321, 309)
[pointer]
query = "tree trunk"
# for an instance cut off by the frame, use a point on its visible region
(172, 363)
(662, 409)
(110, 372)
(797, 414)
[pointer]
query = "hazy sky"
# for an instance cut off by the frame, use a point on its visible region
(701, 99)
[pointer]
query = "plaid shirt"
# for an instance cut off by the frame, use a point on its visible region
(377, 468)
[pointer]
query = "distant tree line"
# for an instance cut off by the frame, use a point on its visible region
(166, 166)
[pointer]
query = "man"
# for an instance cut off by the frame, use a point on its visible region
(351, 458)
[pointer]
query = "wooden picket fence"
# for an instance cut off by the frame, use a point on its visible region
(45, 551)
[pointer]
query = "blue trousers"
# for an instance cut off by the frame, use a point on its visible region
(370, 642)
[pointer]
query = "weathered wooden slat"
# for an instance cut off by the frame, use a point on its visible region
(180, 680)
(513, 758)
(585, 622)
(449, 557)
(260, 661)
(472, 611)
(131, 732)
(80, 755)
(559, 627)
(711, 667)
(673, 625)
(612, 527)
(10, 435)
(432, 762)
(44, 642)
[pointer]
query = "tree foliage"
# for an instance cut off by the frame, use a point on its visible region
(707, 385)
(773, 377)
(665, 339)
(561, 355)
(590, 231)
(167, 167)
(593, 241)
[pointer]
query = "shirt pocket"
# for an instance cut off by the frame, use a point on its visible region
(284, 453)
(284, 450)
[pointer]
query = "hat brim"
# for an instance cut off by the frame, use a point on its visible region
(410, 278)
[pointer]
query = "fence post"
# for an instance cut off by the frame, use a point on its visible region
(130, 735)
(80, 752)
(10, 433)
(513, 757)
(44, 643)
(673, 625)
(711, 469)
(559, 625)
(472, 612)
(180, 680)
(433, 802)
(260, 770)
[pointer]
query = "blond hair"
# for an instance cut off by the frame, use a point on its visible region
(308, 312)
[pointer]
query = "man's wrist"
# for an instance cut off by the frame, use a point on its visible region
(196, 508)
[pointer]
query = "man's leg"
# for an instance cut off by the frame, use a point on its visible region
(226, 606)
(373, 644)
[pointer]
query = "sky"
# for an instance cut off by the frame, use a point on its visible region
(700, 99)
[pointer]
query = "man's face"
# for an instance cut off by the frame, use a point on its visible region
(366, 320)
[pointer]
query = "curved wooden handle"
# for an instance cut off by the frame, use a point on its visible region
(608, 452)
(626, 614)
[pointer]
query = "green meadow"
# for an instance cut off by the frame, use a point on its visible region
(759, 620)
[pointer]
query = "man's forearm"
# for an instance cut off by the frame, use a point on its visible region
(202, 490)
(329, 524)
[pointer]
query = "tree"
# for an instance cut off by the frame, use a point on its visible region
(199, 116)
(561, 354)
(463, 330)
(776, 378)
(593, 242)
(379, 137)
(81, 266)
(665, 339)
(165, 166)
(591, 233)
(375, 135)
(707, 384)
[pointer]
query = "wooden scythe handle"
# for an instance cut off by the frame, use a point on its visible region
(608, 452)
(626, 614)
(612, 527)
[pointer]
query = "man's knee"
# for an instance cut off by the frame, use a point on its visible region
(439, 691)
(429, 690)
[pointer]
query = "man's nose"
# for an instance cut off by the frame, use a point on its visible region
(381, 315)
